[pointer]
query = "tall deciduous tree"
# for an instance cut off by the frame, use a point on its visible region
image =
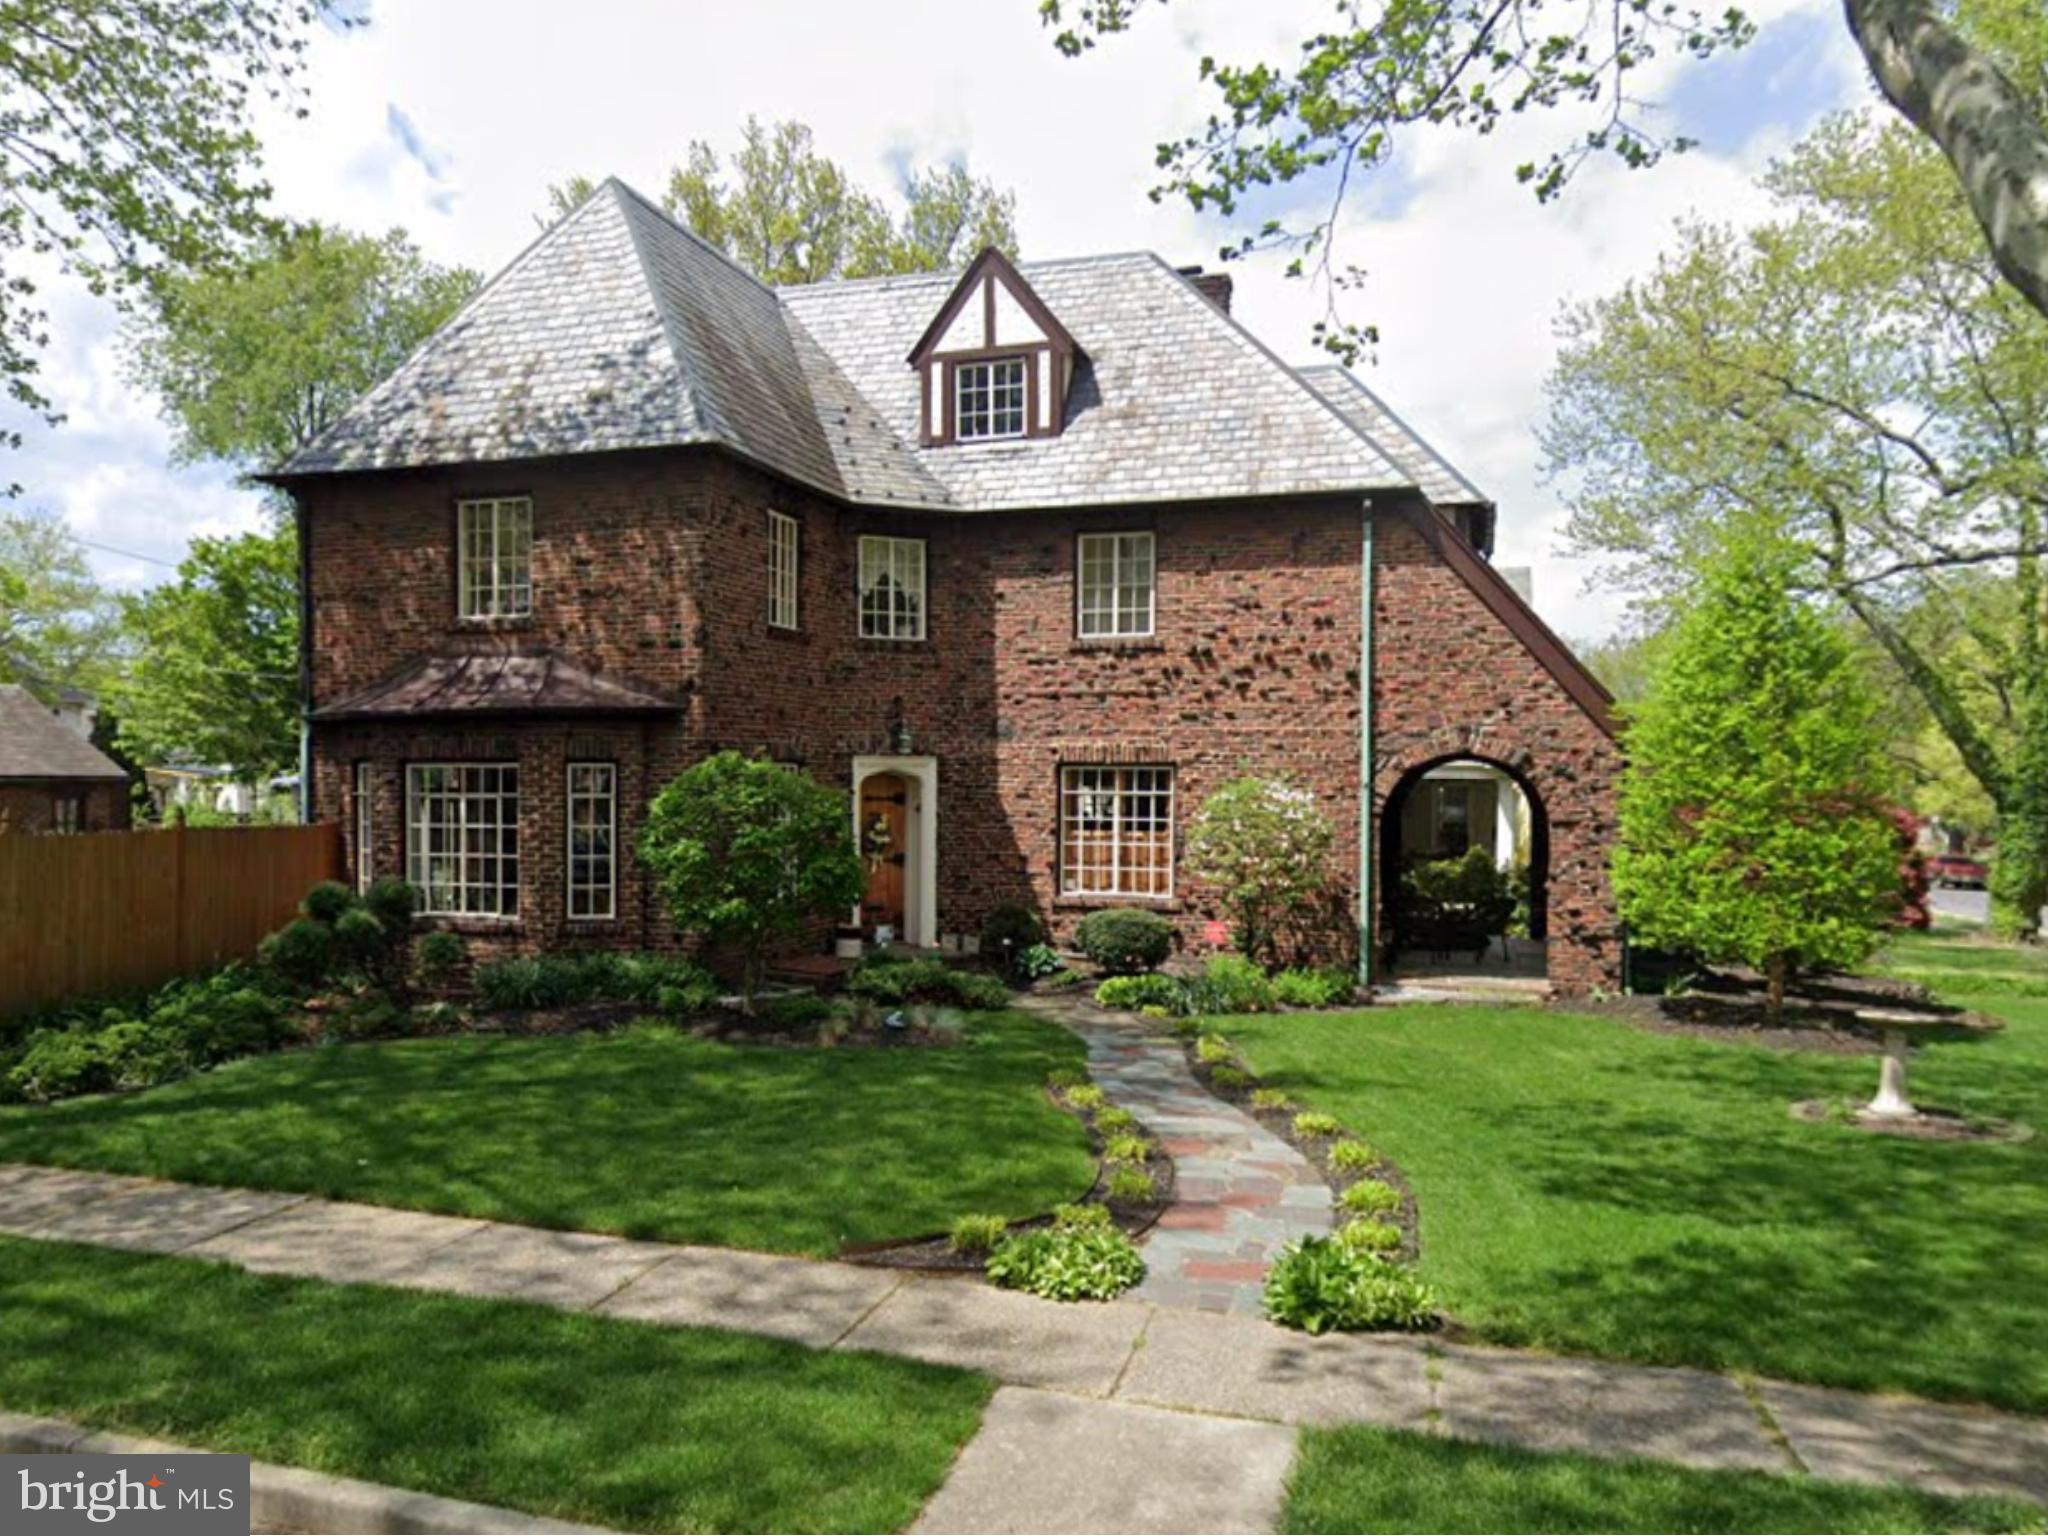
(215, 679)
(1752, 827)
(1855, 375)
(789, 214)
(125, 147)
(57, 627)
(1963, 72)
(253, 360)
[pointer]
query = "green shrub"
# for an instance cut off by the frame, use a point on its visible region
(438, 959)
(1008, 933)
(1131, 1186)
(435, 1019)
(1230, 984)
(976, 1234)
(1060, 1079)
(1313, 1124)
(1313, 989)
(369, 1016)
(1353, 1156)
(327, 902)
(1370, 1197)
(896, 981)
(797, 1012)
(1270, 1098)
(1151, 990)
(1264, 846)
(1229, 1078)
(301, 953)
(518, 981)
(1321, 1285)
(1113, 1120)
(1127, 1148)
(358, 939)
(1213, 1050)
(1067, 1263)
(1082, 1216)
(58, 1064)
(1086, 1096)
(680, 1000)
(222, 1017)
(1125, 940)
(1369, 1236)
(139, 1054)
(641, 978)
(1039, 962)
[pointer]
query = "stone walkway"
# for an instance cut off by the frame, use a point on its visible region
(1101, 1372)
(1241, 1192)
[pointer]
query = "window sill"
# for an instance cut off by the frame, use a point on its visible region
(788, 635)
(488, 626)
(878, 643)
(1139, 643)
(476, 923)
(1163, 904)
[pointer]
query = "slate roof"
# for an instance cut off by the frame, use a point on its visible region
(1434, 475)
(618, 328)
(494, 684)
(35, 744)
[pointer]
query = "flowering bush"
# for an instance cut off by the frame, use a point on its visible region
(1264, 844)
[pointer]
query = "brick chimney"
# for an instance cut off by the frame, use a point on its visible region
(1213, 286)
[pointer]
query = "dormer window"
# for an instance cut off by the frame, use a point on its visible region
(994, 363)
(989, 399)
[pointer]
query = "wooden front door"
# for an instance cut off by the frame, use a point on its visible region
(884, 823)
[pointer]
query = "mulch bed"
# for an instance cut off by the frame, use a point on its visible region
(1821, 1013)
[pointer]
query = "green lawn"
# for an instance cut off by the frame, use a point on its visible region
(645, 1132)
(584, 1418)
(1360, 1479)
(1587, 1186)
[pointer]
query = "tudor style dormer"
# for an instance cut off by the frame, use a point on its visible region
(994, 363)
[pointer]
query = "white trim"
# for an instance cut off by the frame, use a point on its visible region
(785, 534)
(921, 869)
(610, 797)
(985, 368)
(502, 588)
(1157, 794)
(1114, 538)
(416, 855)
(365, 825)
(891, 549)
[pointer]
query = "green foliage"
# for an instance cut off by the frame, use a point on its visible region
(796, 1012)
(301, 953)
(1111, 1121)
(1750, 826)
(1126, 1147)
(57, 626)
(1067, 1263)
(1321, 1285)
(1130, 1186)
(438, 958)
(1369, 1236)
(1060, 1079)
(1008, 933)
(327, 901)
(1230, 984)
(1040, 962)
(1353, 1156)
(975, 1234)
(1313, 1124)
(1086, 1096)
(520, 982)
(1213, 1050)
(1461, 903)
(1270, 1098)
(1229, 1078)
(1370, 1197)
(893, 980)
(1082, 1217)
(1151, 990)
(748, 854)
(1124, 940)
(1313, 989)
(1264, 844)
(222, 1016)
(222, 642)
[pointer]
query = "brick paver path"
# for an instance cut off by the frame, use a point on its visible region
(1241, 1192)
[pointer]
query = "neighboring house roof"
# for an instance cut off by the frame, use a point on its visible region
(1434, 475)
(494, 684)
(35, 744)
(619, 328)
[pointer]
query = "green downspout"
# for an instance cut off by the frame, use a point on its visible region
(1365, 827)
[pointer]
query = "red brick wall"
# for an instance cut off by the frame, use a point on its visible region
(653, 569)
(32, 807)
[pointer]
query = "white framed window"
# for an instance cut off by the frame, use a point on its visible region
(782, 569)
(494, 557)
(593, 840)
(891, 588)
(363, 827)
(1116, 831)
(67, 813)
(988, 399)
(462, 838)
(1116, 585)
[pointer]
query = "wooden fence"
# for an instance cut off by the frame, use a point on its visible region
(108, 911)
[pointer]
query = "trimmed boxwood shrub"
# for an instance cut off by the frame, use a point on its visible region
(1125, 940)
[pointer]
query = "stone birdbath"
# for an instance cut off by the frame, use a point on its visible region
(1900, 1029)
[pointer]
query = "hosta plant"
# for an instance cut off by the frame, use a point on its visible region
(1067, 1263)
(1321, 1285)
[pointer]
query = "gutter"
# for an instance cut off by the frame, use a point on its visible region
(301, 528)
(1365, 826)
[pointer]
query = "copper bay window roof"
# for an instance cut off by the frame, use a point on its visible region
(495, 684)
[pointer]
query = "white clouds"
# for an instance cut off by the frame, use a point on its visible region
(451, 120)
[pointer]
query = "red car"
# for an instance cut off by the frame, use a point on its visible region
(1950, 869)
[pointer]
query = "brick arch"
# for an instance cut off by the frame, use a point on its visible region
(1392, 784)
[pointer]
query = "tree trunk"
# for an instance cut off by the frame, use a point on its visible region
(1955, 95)
(1774, 995)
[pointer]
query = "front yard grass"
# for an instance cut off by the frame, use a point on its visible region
(646, 1132)
(584, 1418)
(1361, 1479)
(1587, 1186)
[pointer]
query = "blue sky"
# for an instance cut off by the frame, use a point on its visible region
(451, 120)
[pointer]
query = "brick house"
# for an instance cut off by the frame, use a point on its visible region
(1026, 559)
(52, 779)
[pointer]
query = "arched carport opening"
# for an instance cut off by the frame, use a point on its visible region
(1440, 809)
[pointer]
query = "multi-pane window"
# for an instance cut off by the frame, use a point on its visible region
(782, 557)
(891, 588)
(1116, 831)
(363, 827)
(494, 557)
(988, 398)
(1116, 585)
(593, 836)
(67, 813)
(462, 837)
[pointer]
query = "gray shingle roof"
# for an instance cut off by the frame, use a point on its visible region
(35, 744)
(620, 329)
(1425, 468)
(494, 684)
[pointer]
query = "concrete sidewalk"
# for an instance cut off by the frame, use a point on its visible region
(1099, 1369)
